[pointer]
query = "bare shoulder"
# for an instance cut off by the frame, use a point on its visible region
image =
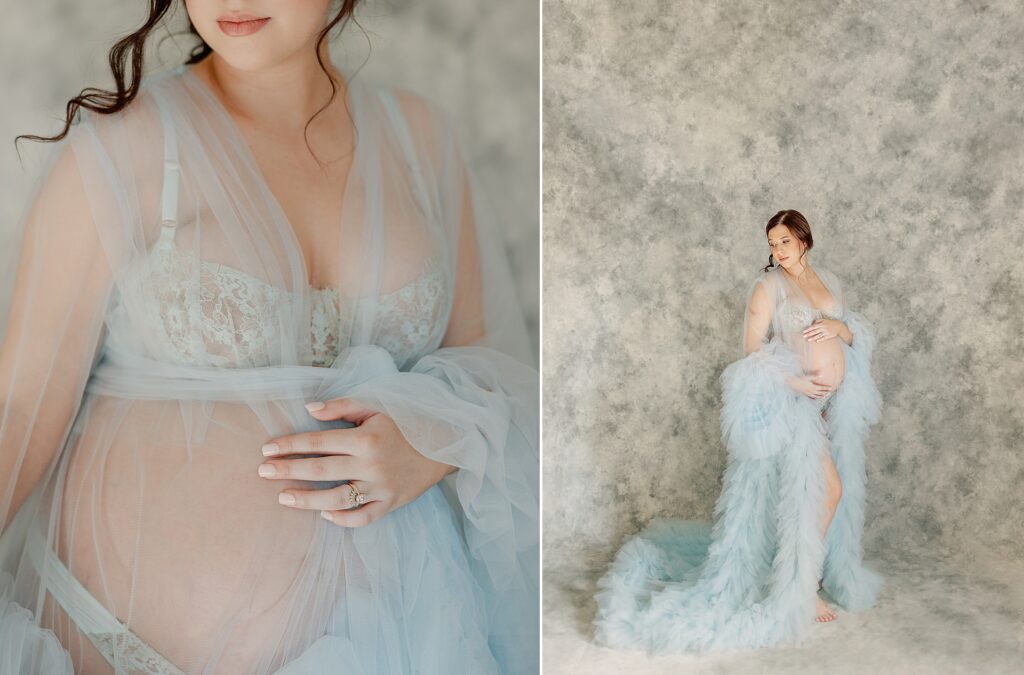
(760, 294)
(769, 280)
(428, 121)
(415, 105)
(138, 120)
(827, 275)
(121, 158)
(126, 143)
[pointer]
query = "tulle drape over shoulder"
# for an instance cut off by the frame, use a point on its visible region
(166, 322)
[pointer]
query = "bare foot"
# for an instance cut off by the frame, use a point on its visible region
(825, 612)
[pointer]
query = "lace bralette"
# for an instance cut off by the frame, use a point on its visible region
(796, 316)
(230, 317)
(236, 312)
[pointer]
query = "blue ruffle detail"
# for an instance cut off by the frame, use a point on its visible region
(750, 580)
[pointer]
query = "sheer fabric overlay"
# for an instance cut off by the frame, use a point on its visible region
(748, 580)
(164, 325)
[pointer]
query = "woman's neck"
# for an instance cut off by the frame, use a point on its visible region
(804, 273)
(285, 96)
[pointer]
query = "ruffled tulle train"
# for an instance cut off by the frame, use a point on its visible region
(749, 580)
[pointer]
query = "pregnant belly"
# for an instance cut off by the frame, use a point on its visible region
(187, 542)
(826, 358)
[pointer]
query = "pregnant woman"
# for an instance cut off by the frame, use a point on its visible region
(266, 400)
(796, 410)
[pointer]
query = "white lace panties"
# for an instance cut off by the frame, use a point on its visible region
(123, 649)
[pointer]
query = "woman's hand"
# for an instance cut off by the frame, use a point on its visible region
(809, 386)
(373, 456)
(823, 329)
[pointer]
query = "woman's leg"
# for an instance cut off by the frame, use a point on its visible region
(833, 492)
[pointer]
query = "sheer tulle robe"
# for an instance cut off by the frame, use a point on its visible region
(154, 503)
(796, 312)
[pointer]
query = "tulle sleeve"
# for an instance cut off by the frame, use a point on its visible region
(757, 317)
(757, 400)
(54, 321)
(473, 404)
(51, 339)
(863, 332)
(858, 384)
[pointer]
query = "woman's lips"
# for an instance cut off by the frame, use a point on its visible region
(237, 27)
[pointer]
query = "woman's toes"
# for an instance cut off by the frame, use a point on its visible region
(825, 613)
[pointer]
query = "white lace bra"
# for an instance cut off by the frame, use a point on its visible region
(230, 317)
(795, 316)
(236, 311)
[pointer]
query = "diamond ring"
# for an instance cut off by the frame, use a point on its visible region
(355, 497)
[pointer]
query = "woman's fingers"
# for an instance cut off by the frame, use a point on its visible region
(322, 442)
(332, 499)
(340, 409)
(820, 388)
(329, 467)
(360, 517)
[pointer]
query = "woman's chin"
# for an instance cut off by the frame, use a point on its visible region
(247, 58)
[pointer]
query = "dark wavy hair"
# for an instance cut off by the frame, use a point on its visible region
(797, 225)
(128, 51)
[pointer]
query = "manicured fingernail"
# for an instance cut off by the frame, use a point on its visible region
(271, 449)
(267, 470)
(325, 515)
(286, 498)
(315, 405)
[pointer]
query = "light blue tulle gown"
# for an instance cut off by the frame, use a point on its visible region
(750, 579)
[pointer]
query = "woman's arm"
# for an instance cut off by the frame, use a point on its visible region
(759, 318)
(843, 331)
(53, 332)
(466, 323)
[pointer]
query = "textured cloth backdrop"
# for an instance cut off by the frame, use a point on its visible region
(672, 132)
(477, 58)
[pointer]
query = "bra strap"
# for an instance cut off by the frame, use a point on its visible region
(405, 141)
(172, 169)
(781, 283)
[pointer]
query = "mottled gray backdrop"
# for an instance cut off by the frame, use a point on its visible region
(672, 132)
(477, 58)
